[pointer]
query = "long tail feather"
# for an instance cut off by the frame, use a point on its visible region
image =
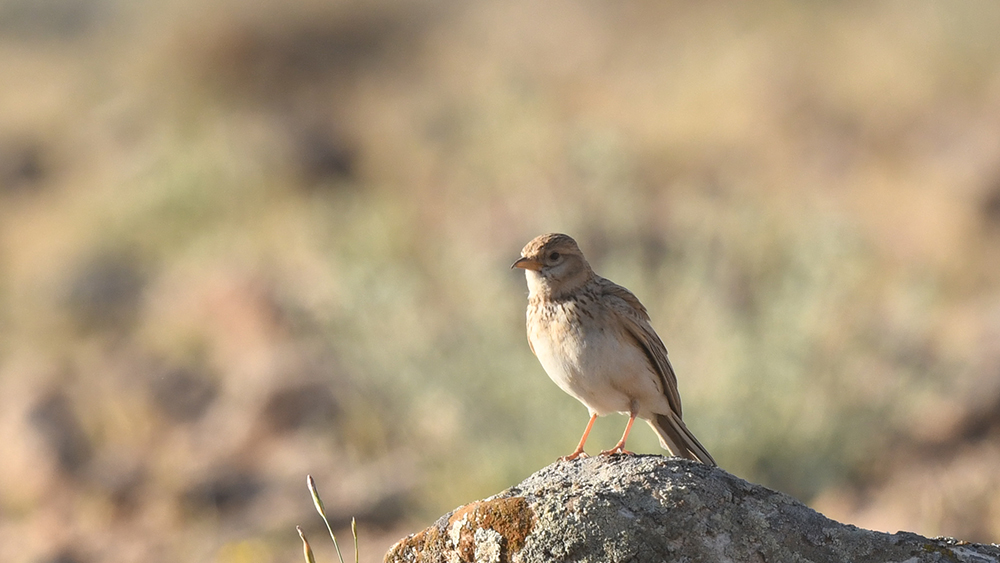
(675, 436)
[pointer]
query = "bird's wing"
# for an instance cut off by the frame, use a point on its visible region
(636, 322)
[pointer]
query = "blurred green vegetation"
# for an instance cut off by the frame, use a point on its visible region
(242, 242)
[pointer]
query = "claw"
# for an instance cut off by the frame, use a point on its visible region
(574, 455)
(617, 450)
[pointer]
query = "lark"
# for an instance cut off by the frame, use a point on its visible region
(594, 340)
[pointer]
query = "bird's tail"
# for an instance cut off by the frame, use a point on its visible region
(675, 436)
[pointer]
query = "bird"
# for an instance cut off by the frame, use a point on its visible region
(594, 340)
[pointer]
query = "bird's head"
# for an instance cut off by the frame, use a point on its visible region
(553, 265)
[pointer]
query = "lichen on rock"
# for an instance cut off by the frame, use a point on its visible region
(489, 530)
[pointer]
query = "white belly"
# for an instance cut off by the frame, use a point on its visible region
(604, 371)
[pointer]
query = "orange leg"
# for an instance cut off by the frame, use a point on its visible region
(579, 448)
(620, 446)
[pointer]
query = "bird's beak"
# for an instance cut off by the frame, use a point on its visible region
(526, 264)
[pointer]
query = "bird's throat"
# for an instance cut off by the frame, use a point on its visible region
(544, 287)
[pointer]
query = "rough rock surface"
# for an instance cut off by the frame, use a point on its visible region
(652, 508)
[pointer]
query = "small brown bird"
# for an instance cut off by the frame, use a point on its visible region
(594, 339)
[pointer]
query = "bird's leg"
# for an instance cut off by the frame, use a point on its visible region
(620, 446)
(578, 452)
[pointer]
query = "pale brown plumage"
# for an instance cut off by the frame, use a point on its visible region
(595, 341)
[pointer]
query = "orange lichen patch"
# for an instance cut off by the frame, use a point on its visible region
(511, 520)
(417, 547)
(510, 517)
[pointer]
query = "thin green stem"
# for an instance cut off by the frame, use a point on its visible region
(354, 531)
(318, 503)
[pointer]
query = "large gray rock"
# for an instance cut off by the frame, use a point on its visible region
(653, 508)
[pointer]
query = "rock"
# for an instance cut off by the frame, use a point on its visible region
(653, 508)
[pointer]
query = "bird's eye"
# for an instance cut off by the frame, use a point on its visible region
(554, 256)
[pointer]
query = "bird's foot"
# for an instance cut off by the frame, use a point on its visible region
(574, 455)
(619, 449)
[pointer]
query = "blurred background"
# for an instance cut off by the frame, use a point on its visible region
(241, 242)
